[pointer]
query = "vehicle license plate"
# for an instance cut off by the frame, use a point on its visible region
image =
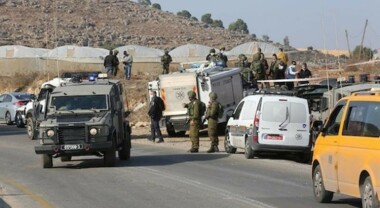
(71, 146)
(273, 137)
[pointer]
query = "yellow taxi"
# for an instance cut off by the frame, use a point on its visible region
(347, 151)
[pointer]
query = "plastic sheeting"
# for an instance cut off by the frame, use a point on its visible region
(78, 54)
(16, 51)
(190, 52)
(250, 48)
(141, 53)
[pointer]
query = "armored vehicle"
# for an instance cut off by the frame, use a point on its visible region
(85, 118)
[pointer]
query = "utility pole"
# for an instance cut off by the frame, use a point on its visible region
(348, 45)
(361, 45)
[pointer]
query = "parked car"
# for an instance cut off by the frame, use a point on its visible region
(347, 151)
(10, 102)
(270, 123)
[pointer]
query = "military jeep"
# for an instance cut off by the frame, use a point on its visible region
(85, 118)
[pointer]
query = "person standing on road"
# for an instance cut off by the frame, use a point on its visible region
(116, 62)
(193, 112)
(156, 107)
(166, 59)
(109, 63)
(212, 119)
(127, 61)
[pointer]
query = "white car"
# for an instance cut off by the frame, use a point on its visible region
(10, 102)
(270, 123)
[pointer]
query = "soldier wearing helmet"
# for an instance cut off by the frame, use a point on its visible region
(193, 112)
(212, 56)
(166, 59)
(212, 116)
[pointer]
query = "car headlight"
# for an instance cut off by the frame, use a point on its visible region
(50, 133)
(93, 131)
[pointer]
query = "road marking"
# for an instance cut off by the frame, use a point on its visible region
(197, 184)
(38, 199)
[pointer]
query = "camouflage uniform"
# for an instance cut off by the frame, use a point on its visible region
(257, 66)
(212, 56)
(212, 118)
(166, 59)
(193, 111)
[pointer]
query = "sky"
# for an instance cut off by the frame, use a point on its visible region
(317, 23)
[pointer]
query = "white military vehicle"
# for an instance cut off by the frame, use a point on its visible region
(173, 88)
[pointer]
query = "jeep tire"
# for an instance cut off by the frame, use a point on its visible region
(47, 161)
(125, 151)
(65, 158)
(110, 158)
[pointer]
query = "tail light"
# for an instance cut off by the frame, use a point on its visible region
(20, 103)
(255, 138)
(256, 121)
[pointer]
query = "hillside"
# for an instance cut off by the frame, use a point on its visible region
(97, 23)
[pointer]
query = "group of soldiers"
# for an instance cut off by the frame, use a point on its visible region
(259, 69)
(195, 121)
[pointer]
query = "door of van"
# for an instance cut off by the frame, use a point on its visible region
(327, 148)
(284, 121)
(246, 119)
(233, 126)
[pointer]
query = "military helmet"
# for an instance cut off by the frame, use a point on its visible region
(191, 94)
(115, 51)
(166, 51)
(213, 96)
(212, 50)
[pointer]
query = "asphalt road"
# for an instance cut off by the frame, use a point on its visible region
(156, 176)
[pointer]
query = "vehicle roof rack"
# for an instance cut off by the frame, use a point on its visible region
(271, 92)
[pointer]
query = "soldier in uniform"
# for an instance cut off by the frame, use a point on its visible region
(193, 112)
(212, 118)
(243, 61)
(212, 56)
(166, 59)
(257, 66)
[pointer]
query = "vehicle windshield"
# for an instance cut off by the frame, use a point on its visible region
(80, 102)
(23, 96)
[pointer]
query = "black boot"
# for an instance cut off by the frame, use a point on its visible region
(216, 148)
(192, 150)
(160, 141)
(211, 150)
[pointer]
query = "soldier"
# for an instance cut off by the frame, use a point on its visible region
(166, 59)
(243, 61)
(265, 67)
(212, 56)
(193, 111)
(212, 118)
(257, 66)
(274, 67)
(116, 62)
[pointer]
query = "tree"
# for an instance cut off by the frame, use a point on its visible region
(239, 26)
(156, 6)
(144, 2)
(286, 41)
(253, 35)
(194, 18)
(310, 48)
(206, 18)
(217, 23)
(265, 38)
(366, 54)
(184, 13)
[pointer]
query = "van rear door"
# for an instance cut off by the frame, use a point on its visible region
(284, 121)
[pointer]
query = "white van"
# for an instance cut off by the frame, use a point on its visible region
(270, 123)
